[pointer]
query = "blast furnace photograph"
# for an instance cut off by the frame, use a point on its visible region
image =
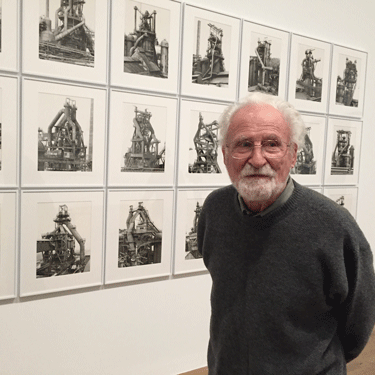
(146, 40)
(140, 238)
(264, 64)
(62, 248)
(67, 31)
(347, 88)
(306, 163)
(311, 63)
(194, 208)
(144, 138)
(64, 124)
(343, 153)
(212, 53)
(206, 145)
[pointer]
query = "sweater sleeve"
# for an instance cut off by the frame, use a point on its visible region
(357, 312)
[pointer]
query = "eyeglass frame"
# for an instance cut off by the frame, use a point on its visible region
(248, 155)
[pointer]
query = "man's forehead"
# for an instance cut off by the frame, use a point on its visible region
(258, 113)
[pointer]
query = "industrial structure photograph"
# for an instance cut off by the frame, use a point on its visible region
(343, 153)
(67, 31)
(62, 250)
(146, 47)
(140, 240)
(191, 245)
(346, 89)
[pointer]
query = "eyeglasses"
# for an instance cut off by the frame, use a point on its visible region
(271, 148)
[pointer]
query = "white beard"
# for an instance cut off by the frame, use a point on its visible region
(257, 190)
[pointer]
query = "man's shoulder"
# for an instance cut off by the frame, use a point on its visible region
(220, 197)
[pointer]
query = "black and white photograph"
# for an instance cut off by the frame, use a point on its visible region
(308, 169)
(264, 60)
(146, 46)
(9, 34)
(189, 206)
(140, 233)
(67, 31)
(61, 240)
(139, 229)
(64, 134)
(8, 233)
(149, 34)
(309, 74)
(343, 151)
(348, 81)
(66, 39)
(211, 62)
(345, 197)
(63, 246)
(200, 155)
(210, 54)
(142, 139)
(144, 143)
(8, 131)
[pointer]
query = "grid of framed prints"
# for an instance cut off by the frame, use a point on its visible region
(109, 138)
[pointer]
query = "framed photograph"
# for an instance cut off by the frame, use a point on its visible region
(344, 196)
(309, 74)
(8, 131)
(200, 157)
(142, 140)
(343, 152)
(63, 139)
(8, 233)
(61, 240)
(210, 54)
(310, 157)
(145, 44)
(347, 82)
(9, 35)
(66, 39)
(186, 256)
(264, 60)
(139, 234)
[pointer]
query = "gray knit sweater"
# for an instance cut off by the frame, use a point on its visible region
(293, 292)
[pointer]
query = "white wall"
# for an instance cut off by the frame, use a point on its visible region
(161, 327)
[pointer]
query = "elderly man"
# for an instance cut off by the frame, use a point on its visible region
(293, 280)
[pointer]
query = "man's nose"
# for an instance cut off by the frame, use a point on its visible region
(257, 160)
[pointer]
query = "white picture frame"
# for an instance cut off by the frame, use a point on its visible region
(344, 196)
(310, 93)
(345, 169)
(186, 256)
(167, 30)
(269, 40)
(125, 108)
(195, 119)
(8, 243)
(223, 85)
(9, 127)
(90, 67)
(350, 89)
(9, 35)
(132, 264)
(43, 109)
(39, 210)
(310, 158)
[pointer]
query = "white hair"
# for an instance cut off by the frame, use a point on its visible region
(289, 113)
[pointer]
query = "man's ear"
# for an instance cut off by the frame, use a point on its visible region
(293, 151)
(225, 153)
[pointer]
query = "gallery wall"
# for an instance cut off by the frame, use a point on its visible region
(150, 319)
